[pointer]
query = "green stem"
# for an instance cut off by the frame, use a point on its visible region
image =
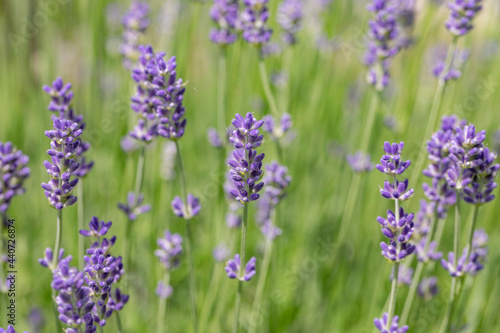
(349, 207)
(162, 306)
(236, 324)
(208, 303)
(57, 245)
(192, 282)
(267, 88)
(436, 106)
(456, 245)
(81, 239)
(118, 322)
(180, 168)
(101, 329)
(394, 292)
(261, 284)
(221, 91)
(475, 211)
(139, 181)
(287, 65)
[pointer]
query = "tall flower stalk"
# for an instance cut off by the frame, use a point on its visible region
(458, 24)
(246, 174)
(398, 226)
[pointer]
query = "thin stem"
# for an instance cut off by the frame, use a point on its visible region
(261, 284)
(475, 211)
(57, 246)
(456, 245)
(436, 106)
(101, 329)
(372, 111)
(394, 292)
(192, 282)
(81, 239)
(118, 322)
(180, 168)
(208, 303)
(162, 307)
(267, 88)
(349, 206)
(139, 181)
(287, 64)
(236, 325)
(221, 91)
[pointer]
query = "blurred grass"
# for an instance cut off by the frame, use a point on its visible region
(328, 103)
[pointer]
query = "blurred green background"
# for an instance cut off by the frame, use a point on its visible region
(317, 283)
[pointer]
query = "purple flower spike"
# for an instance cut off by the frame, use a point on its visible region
(163, 291)
(135, 23)
(430, 254)
(360, 162)
(383, 33)
(246, 165)
(63, 149)
(225, 14)
(97, 228)
(233, 269)
(221, 252)
(170, 250)
(428, 288)
(13, 172)
(188, 210)
(279, 131)
(214, 139)
(463, 265)
(462, 12)
(134, 207)
(455, 71)
(383, 326)
(254, 21)
(397, 190)
(289, 17)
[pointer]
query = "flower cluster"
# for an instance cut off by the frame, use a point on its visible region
(455, 72)
(158, 98)
(277, 182)
(102, 271)
(234, 269)
(214, 139)
(170, 249)
(383, 33)
(61, 102)
(188, 210)
(462, 12)
(473, 168)
(13, 173)
(135, 22)
(225, 14)
(428, 288)
(405, 275)
(254, 22)
(438, 148)
(360, 162)
(279, 130)
(405, 14)
(221, 252)
(134, 206)
(169, 252)
(246, 165)
(471, 262)
(64, 146)
(398, 226)
(384, 327)
(289, 17)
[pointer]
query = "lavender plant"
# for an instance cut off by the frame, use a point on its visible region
(170, 249)
(289, 17)
(10, 329)
(398, 226)
(62, 103)
(135, 22)
(246, 173)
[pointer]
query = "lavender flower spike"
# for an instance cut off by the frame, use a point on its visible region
(462, 12)
(254, 19)
(134, 207)
(170, 249)
(360, 162)
(64, 146)
(10, 329)
(188, 210)
(383, 46)
(384, 327)
(233, 269)
(135, 23)
(13, 173)
(289, 17)
(391, 163)
(225, 14)
(246, 167)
